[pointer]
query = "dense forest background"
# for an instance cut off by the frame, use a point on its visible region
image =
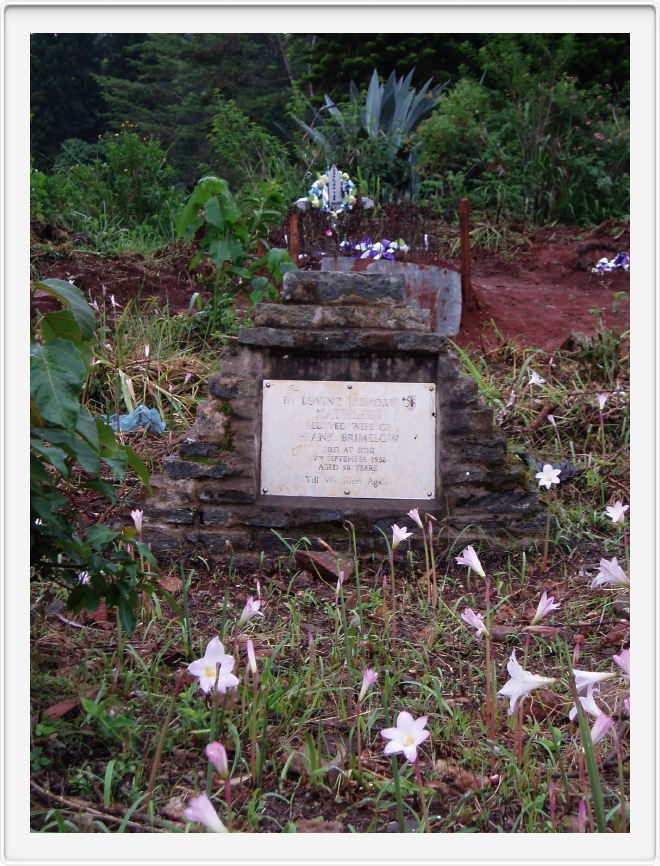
(505, 118)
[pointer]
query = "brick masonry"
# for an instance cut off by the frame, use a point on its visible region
(208, 497)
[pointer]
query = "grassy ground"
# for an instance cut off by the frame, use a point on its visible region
(119, 727)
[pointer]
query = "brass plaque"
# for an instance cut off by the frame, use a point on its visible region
(363, 440)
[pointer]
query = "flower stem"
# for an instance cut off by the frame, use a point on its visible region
(422, 796)
(544, 566)
(394, 626)
(161, 740)
(587, 744)
(622, 790)
(358, 735)
(427, 565)
(228, 802)
(253, 727)
(397, 794)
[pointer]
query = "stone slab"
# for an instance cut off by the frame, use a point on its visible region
(367, 440)
(314, 287)
(328, 341)
(371, 316)
(430, 287)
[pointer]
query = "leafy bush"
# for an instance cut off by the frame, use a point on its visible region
(120, 184)
(374, 133)
(231, 234)
(69, 449)
(244, 153)
(540, 151)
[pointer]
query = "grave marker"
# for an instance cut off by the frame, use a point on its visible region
(339, 404)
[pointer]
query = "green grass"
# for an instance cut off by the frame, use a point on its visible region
(303, 725)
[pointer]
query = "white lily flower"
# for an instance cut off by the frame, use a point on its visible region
(522, 682)
(584, 679)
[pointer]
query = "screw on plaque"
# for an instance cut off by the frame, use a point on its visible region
(267, 384)
(430, 493)
(349, 386)
(264, 490)
(347, 492)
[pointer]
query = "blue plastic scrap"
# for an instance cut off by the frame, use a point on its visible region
(141, 416)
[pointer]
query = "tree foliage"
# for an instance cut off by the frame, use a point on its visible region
(71, 449)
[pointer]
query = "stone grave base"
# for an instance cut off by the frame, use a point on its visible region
(210, 498)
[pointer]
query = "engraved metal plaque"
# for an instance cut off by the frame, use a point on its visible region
(363, 440)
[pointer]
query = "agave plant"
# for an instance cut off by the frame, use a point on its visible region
(379, 125)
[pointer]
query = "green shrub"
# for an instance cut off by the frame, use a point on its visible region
(541, 151)
(120, 184)
(230, 232)
(372, 135)
(69, 451)
(243, 152)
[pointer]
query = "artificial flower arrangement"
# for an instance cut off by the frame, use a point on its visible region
(319, 199)
(383, 249)
(619, 262)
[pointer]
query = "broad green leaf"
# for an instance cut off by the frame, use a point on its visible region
(259, 283)
(213, 213)
(106, 434)
(118, 464)
(137, 465)
(61, 323)
(99, 535)
(86, 426)
(73, 299)
(57, 374)
(126, 615)
(226, 250)
(86, 456)
(55, 456)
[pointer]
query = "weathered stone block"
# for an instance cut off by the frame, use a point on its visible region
(191, 449)
(367, 316)
(217, 495)
(314, 287)
(210, 422)
(182, 469)
(182, 516)
(215, 517)
(489, 453)
(341, 341)
(218, 542)
(233, 387)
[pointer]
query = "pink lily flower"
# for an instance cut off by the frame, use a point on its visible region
(217, 755)
(584, 679)
(251, 609)
(617, 512)
(413, 514)
(252, 659)
(369, 677)
(610, 572)
(548, 476)
(399, 534)
(469, 557)
(475, 620)
(201, 811)
(546, 605)
(623, 662)
(601, 727)
(137, 516)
